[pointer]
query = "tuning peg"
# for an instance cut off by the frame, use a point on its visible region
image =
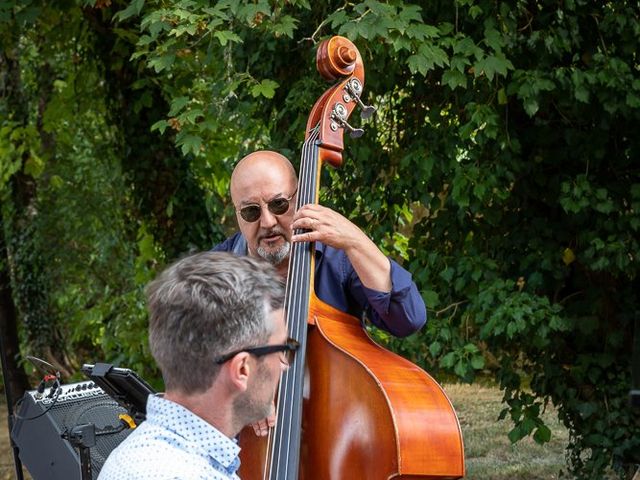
(367, 110)
(338, 115)
(341, 122)
(354, 88)
(353, 132)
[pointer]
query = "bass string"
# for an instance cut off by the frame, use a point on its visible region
(287, 430)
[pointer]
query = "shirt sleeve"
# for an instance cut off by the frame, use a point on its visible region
(402, 310)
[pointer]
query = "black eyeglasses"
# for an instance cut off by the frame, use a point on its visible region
(277, 206)
(287, 350)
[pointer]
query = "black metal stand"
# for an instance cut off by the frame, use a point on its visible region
(83, 437)
(10, 416)
(634, 394)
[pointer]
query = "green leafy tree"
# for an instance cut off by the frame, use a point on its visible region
(500, 169)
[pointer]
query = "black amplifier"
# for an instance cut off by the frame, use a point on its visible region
(44, 421)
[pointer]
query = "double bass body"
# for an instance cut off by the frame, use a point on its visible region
(371, 414)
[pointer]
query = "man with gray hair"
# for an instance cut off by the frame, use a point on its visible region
(217, 332)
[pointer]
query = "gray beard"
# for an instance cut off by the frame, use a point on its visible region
(275, 257)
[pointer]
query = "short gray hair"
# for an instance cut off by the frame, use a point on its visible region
(205, 305)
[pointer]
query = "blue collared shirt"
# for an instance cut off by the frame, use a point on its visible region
(173, 443)
(400, 312)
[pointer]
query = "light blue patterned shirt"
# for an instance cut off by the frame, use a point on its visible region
(173, 443)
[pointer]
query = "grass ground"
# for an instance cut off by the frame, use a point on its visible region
(488, 452)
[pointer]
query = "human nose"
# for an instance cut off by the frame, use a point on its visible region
(267, 219)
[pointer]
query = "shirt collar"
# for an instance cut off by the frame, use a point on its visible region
(218, 446)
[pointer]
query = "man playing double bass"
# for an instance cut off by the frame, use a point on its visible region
(347, 408)
(351, 273)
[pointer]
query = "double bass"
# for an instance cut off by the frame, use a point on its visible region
(346, 407)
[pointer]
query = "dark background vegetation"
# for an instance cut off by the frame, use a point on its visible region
(501, 170)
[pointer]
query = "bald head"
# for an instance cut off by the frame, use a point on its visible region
(264, 165)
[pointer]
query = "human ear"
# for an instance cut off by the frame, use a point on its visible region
(239, 371)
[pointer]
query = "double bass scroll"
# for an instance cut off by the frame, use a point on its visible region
(347, 408)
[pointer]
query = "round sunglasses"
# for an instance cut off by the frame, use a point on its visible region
(277, 206)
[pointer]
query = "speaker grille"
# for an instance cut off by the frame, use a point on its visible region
(103, 413)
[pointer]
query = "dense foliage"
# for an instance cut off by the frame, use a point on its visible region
(501, 168)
